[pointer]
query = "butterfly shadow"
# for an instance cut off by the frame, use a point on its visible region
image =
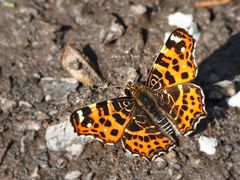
(222, 64)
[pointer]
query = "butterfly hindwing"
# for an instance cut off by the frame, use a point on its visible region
(143, 137)
(104, 120)
(185, 104)
(175, 64)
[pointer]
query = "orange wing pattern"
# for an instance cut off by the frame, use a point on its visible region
(142, 137)
(175, 64)
(105, 120)
(185, 104)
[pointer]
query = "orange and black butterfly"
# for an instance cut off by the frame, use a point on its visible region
(147, 120)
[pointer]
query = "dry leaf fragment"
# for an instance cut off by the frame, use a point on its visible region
(211, 3)
(77, 65)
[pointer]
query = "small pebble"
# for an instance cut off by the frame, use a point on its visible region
(161, 163)
(184, 21)
(227, 86)
(24, 104)
(27, 125)
(35, 174)
(180, 20)
(208, 145)
(41, 115)
(138, 9)
(90, 176)
(234, 101)
(72, 175)
(7, 105)
(61, 137)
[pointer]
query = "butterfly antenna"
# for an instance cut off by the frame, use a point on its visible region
(130, 53)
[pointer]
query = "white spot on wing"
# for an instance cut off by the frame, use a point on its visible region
(175, 38)
(183, 49)
(89, 125)
(80, 115)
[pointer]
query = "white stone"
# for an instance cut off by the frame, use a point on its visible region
(48, 97)
(27, 125)
(61, 137)
(180, 20)
(166, 36)
(7, 105)
(72, 175)
(24, 103)
(208, 145)
(234, 101)
(35, 174)
(75, 149)
(138, 9)
(194, 30)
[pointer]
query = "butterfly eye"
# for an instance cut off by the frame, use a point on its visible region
(128, 92)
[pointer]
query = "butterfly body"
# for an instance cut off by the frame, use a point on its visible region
(147, 119)
(145, 99)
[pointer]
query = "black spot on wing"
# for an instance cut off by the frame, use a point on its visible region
(103, 105)
(184, 107)
(175, 61)
(114, 132)
(101, 120)
(179, 47)
(160, 61)
(184, 75)
(175, 94)
(186, 89)
(169, 77)
(119, 119)
(189, 64)
(127, 136)
(87, 120)
(181, 56)
(158, 74)
(133, 127)
(116, 106)
(169, 44)
(102, 135)
(176, 68)
(108, 123)
(85, 111)
(146, 138)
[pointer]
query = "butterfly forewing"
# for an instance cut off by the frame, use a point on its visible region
(175, 64)
(104, 120)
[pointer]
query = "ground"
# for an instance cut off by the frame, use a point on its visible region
(32, 37)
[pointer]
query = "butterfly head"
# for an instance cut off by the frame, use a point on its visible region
(131, 88)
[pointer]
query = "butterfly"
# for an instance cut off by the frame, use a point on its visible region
(148, 119)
